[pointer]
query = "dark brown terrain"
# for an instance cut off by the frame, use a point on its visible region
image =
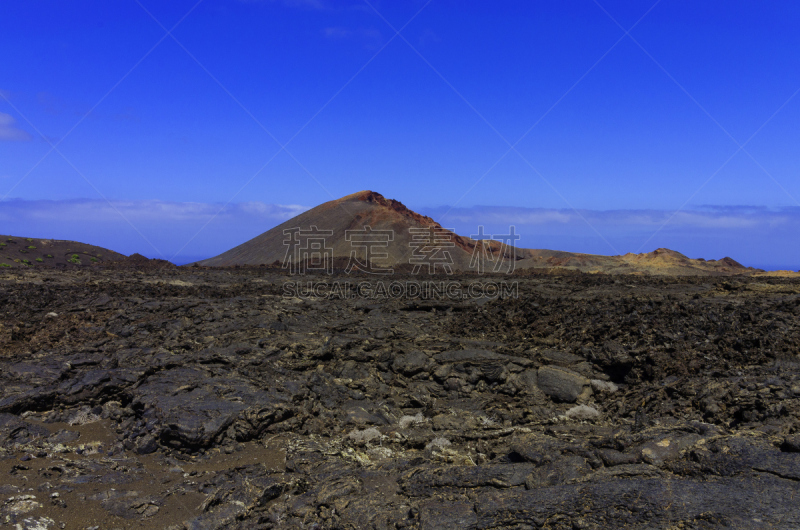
(30, 252)
(161, 397)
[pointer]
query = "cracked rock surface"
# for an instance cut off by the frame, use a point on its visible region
(190, 398)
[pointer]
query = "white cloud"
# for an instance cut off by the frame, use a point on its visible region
(166, 212)
(510, 216)
(9, 132)
(148, 211)
(725, 218)
(704, 220)
(185, 231)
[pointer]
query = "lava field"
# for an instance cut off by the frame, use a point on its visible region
(194, 398)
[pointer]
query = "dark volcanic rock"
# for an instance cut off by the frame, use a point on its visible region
(424, 482)
(410, 363)
(560, 358)
(196, 398)
(644, 503)
(446, 515)
(561, 384)
(791, 444)
(561, 471)
(130, 505)
(193, 409)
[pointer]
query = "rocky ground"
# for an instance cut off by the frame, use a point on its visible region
(193, 398)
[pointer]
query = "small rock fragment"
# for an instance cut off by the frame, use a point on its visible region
(582, 413)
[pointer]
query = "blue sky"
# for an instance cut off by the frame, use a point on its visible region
(543, 114)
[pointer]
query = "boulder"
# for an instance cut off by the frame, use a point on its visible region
(410, 363)
(560, 384)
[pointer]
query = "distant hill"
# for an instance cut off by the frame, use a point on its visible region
(341, 227)
(29, 252)
(350, 213)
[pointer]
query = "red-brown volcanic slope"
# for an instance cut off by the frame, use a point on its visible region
(368, 208)
(353, 212)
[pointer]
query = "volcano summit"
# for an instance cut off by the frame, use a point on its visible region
(337, 225)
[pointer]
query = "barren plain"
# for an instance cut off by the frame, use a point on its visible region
(162, 397)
